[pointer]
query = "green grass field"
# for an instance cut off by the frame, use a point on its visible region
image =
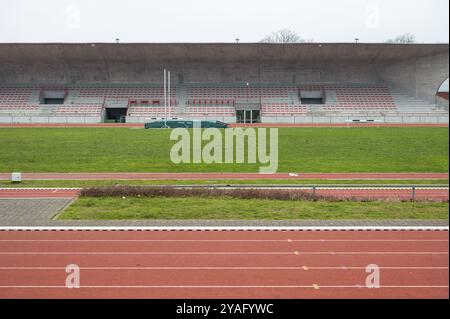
(109, 208)
(321, 150)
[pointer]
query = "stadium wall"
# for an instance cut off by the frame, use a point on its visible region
(419, 77)
(50, 119)
(340, 119)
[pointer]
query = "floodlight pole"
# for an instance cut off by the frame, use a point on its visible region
(165, 89)
(169, 90)
(165, 98)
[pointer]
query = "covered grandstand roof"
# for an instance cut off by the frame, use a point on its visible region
(417, 69)
(67, 53)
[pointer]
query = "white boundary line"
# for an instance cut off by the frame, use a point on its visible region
(227, 228)
(41, 189)
(226, 268)
(221, 240)
(220, 187)
(211, 253)
(340, 188)
(315, 287)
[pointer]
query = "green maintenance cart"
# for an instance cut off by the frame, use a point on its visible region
(185, 124)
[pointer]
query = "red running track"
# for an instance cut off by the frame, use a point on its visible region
(387, 194)
(361, 194)
(227, 176)
(224, 265)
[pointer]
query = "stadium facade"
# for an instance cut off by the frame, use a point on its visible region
(270, 83)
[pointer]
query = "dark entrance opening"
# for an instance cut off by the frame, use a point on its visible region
(52, 97)
(116, 115)
(312, 97)
(248, 116)
(312, 101)
(53, 101)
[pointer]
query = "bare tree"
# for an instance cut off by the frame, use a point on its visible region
(406, 38)
(283, 36)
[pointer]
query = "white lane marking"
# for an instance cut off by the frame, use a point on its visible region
(309, 188)
(300, 187)
(48, 196)
(226, 253)
(225, 268)
(222, 240)
(222, 287)
(40, 189)
(230, 228)
(382, 188)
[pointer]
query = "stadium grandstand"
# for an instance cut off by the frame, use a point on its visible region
(243, 83)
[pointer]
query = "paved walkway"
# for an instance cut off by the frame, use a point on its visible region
(40, 213)
(24, 212)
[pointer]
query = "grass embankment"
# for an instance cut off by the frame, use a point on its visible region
(321, 150)
(188, 208)
(117, 203)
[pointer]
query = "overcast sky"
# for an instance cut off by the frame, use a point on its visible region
(220, 20)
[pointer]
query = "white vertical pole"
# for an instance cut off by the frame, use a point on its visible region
(170, 98)
(165, 91)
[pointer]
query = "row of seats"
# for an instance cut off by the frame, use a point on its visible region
(356, 108)
(149, 111)
(194, 111)
(150, 103)
(121, 92)
(363, 99)
(211, 102)
(18, 109)
(79, 110)
(283, 108)
(15, 96)
(239, 92)
(203, 100)
(88, 109)
(210, 111)
(76, 104)
(19, 106)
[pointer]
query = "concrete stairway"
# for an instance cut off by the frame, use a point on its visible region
(47, 110)
(410, 104)
(182, 98)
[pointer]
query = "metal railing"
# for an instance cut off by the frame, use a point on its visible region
(313, 188)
